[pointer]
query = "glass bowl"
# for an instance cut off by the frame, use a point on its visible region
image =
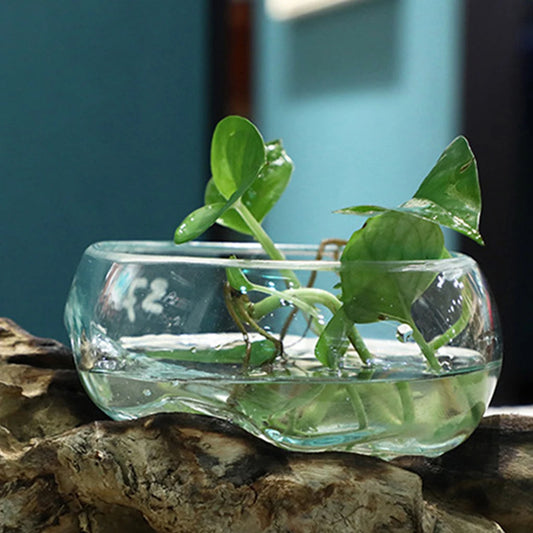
(218, 329)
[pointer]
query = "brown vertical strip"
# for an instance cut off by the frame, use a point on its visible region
(239, 58)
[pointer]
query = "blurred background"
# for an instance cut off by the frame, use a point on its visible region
(107, 109)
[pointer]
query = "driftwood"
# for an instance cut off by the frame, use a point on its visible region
(66, 468)
(490, 474)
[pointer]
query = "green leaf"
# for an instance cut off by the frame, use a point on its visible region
(449, 195)
(264, 192)
(333, 341)
(370, 291)
(198, 222)
(203, 218)
(261, 352)
(453, 186)
(237, 155)
(231, 218)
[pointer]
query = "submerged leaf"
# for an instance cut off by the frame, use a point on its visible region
(261, 352)
(333, 341)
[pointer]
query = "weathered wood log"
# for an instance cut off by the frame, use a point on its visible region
(65, 468)
(180, 473)
(40, 393)
(490, 474)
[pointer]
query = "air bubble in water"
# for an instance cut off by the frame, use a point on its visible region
(404, 332)
(106, 364)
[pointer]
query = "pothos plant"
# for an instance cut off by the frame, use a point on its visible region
(248, 177)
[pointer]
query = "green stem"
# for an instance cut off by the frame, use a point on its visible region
(324, 297)
(273, 301)
(406, 399)
(306, 295)
(359, 344)
(312, 297)
(427, 350)
(358, 406)
(456, 328)
(264, 240)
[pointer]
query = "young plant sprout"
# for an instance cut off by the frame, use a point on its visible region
(248, 178)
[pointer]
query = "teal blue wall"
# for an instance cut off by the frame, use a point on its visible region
(365, 97)
(103, 135)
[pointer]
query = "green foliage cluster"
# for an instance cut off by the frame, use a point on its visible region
(249, 176)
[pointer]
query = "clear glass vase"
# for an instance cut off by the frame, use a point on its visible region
(218, 329)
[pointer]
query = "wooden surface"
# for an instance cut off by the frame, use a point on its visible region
(64, 468)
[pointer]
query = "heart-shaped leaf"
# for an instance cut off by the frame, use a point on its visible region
(237, 155)
(370, 290)
(262, 194)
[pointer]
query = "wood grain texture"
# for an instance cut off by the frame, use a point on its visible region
(66, 468)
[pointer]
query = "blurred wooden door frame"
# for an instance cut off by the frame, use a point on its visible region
(231, 58)
(230, 73)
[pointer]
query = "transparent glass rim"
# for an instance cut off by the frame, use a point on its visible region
(201, 253)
